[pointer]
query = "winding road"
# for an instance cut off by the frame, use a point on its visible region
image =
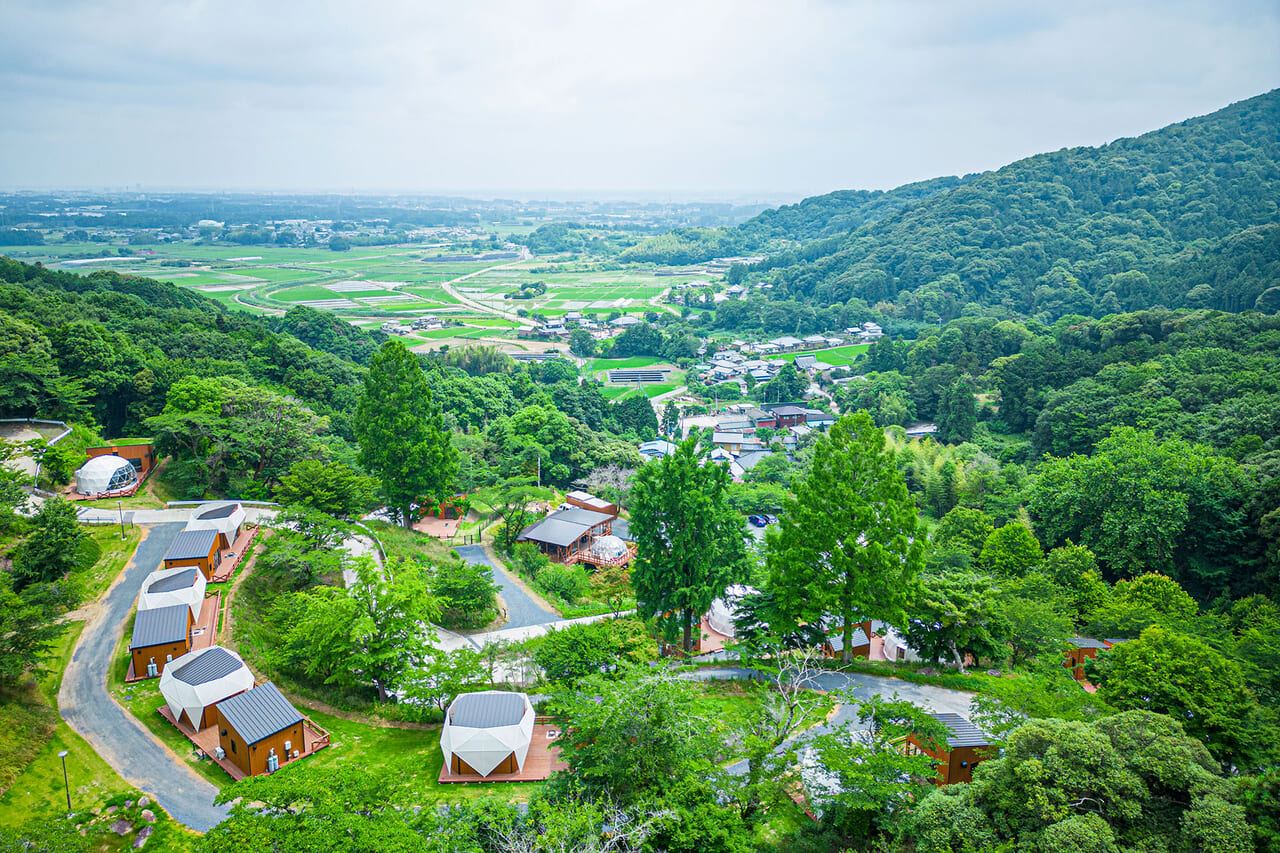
(522, 610)
(122, 741)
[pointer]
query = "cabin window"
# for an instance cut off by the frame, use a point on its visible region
(233, 745)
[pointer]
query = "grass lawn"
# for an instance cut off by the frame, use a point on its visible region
(632, 362)
(836, 356)
(312, 292)
(116, 553)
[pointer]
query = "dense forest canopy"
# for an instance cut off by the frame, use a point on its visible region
(1185, 216)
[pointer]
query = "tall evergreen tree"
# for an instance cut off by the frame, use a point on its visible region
(850, 543)
(690, 542)
(401, 433)
(957, 412)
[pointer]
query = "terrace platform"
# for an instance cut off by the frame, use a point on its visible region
(203, 634)
(233, 557)
(543, 758)
(206, 742)
(438, 528)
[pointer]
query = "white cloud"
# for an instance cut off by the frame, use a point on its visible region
(724, 95)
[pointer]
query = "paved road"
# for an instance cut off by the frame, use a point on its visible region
(522, 611)
(938, 699)
(117, 736)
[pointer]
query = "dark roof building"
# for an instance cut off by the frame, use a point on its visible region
(192, 545)
(961, 732)
(259, 713)
(182, 580)
(210, 666)
(965, 749)
(487, 710)
(160, 626)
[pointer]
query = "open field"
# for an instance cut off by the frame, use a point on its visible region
(836, 356)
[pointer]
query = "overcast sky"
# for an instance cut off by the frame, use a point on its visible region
(724, 98)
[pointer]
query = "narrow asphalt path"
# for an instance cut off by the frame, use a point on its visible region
(928, 697)
(117, 736)
(522, 611)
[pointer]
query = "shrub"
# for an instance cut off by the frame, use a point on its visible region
(568, 582)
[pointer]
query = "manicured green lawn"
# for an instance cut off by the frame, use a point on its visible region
(116, 553)
(631, 362)
(836, 356)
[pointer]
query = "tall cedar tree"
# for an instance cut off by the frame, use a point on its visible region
(401, 433)
(689, 541)
(849, 543)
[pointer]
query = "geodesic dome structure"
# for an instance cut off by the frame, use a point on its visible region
(607, 548)
(487, 730)
(178, 585)
(725, 609)
(105, 474)
(195, 682)
(226, 517)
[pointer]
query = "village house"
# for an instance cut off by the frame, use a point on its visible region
(966, 747)
(259, 730)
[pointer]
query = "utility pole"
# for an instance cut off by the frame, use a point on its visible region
(66, 785)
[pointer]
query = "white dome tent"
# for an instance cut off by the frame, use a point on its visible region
(178, 585)
(226, 517)
(487, 731)
(195, 682)
(724, 610)
(607, 548)
(105, 474)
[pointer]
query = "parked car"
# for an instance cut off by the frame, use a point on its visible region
(758, 520)
(770, 519)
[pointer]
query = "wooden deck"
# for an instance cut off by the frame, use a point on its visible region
(233, 558)
(206, 742)
(543, 758)
(203, 634)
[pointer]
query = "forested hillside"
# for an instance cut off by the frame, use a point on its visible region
(830, 215)
(1181, 217)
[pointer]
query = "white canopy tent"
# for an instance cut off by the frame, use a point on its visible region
(226, 517)
(178, 585)
(104, 475)
(485, 729)
(195, 682)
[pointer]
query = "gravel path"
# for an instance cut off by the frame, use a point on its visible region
(116, 735)
(522, 611)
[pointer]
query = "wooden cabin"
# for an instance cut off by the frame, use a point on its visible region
(142, 455)
(566, 534)
(965, 749)
(259, 730)
(195, 548)
(1080, 649)
(587, 501)
(834, 644)
(160, 635)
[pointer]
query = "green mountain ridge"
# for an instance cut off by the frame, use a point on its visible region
(1184, 216)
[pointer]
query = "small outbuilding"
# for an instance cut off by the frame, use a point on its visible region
(160, 636)
(487, 732)
(194, 683)
(226, 517)
(195, 548)
(140, 453)
(106, 475)
(259, 730)
(965, 749)
(179, 585)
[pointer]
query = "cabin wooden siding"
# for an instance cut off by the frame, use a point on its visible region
(1075, 660)
(955, 764)
(143, 654)
(206, 564)
(143, 456)
(252, 757)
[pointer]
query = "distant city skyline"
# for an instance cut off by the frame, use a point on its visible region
(727, 100)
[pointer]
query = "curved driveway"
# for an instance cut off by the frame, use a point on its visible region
(859, 686)
(522, 611)
(116, 735)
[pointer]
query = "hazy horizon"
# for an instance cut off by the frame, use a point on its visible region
(742, 102)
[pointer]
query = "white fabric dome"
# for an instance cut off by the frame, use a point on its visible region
(103, 474)
(607, 548)
(201, 678)
(725, 609)
(178, 585)
(484, 728)
(226, 517)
